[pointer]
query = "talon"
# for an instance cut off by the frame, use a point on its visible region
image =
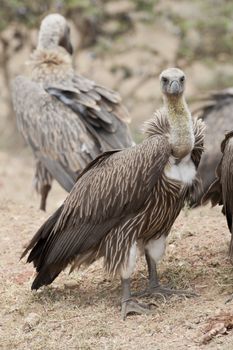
(132, 306)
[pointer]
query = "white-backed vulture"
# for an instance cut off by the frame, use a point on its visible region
(217, 113)
(124, 198)
(221, 190)
(65, 118)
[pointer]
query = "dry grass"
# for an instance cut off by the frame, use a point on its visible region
(81, 310)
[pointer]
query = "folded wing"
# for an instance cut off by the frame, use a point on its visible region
(58, 138)
(112, 189)
(99, 108)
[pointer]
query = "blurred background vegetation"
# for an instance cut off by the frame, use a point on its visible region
(124, 44)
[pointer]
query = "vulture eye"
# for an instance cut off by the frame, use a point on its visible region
(164, 80)
(182, 79)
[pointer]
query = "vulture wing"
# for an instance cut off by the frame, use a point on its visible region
(199, 129)
(99, 109)
(213, 194)
(227, 177)
(197, 153)
(220, 192)
(218, 117)
(58, 138)
(112, 189)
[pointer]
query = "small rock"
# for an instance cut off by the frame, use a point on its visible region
(31, 321)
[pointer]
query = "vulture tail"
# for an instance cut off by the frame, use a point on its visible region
(46, 276)
(37, 245)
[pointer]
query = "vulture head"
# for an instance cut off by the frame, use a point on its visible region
(172, 82)
(54, 32)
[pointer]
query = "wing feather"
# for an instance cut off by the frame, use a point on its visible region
(220, 191)
(227, 177)
(113, 187)
(56, 135)
(217, 116)
(98, 106)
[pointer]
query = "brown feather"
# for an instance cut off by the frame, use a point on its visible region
(121, 197)
(220, 192)
(217, 113)
(65, 118)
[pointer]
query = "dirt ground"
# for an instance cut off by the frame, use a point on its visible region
(81, 310)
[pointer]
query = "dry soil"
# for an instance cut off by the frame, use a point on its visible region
(81, 310)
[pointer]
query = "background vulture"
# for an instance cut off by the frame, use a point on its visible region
(125, 198)
(65, 118)
(221, 190)
(217, 113)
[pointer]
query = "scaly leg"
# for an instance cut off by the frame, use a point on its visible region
(128, 305)
(44, 194)
(155, 288)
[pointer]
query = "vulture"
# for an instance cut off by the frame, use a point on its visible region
(217, 113)
(221, 190)
(126, 199)
(66, 119)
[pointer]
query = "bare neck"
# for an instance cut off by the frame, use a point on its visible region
(49, 37)
(181, 132)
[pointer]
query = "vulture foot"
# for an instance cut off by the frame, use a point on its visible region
(132, 306)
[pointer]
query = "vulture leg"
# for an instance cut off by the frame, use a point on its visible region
(42, 182)
(128, 305)
(155, 288)
(154, 251)
(44, 194)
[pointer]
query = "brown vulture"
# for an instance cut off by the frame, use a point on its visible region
(217, 113)
(221, 190)
(66, 119)
(126, 198)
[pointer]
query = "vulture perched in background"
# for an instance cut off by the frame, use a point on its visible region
(126, 198)
(217, 114)
(65, 118)
(221, 190)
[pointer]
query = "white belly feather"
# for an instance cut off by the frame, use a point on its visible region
(184, 171)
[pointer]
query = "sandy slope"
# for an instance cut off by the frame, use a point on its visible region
(81, 311)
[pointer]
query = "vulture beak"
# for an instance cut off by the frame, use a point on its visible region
(69, 47)
(66, 43)
(174, 88)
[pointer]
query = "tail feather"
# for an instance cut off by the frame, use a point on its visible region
(46, 276)
(39, 240)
